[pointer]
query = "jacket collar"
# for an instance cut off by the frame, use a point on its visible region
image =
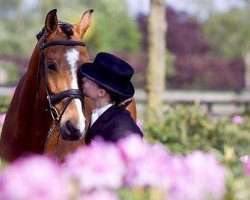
(104, 117)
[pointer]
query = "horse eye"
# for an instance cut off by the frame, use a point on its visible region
(52, 67)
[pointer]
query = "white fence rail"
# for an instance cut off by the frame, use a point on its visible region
(217, 103)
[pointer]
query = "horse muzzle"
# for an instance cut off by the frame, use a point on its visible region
(69, 132)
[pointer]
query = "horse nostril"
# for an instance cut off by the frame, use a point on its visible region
(70, 127)
(69, 132)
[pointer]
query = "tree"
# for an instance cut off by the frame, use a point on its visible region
(230, 35)
(156, 57)
(17, 28)
(112, 28)
(196, 65)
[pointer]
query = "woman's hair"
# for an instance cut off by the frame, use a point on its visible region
(115, 98)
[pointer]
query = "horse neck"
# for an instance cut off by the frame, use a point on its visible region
(32, 103)
(27, 123)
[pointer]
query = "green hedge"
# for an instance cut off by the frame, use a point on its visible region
(187, 128)
(4, 103)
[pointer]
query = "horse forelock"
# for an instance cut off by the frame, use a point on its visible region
(66, 28)
(40, 34)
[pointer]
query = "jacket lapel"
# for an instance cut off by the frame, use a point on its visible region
(104, 117)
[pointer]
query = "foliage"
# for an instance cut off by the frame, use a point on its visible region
(20, 23)
(169, 67)
(114, 29)
(232, 32)
(4, 103)
(11, 71)
(208, 73)
(132, 169)
(17, 28)
(196, 64)
(186, 128)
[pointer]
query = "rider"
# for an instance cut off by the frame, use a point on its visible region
(107, 82)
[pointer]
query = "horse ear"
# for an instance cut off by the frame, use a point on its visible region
(84, 23)
(51, 21)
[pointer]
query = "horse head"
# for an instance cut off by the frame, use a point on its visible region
(61, 54)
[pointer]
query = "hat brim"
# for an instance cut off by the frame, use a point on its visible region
(87, 71)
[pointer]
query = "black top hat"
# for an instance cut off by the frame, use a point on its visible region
(110, 72)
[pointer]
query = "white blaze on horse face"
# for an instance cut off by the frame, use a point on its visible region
(72, 56)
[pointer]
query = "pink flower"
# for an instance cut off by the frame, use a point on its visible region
(201, 177)
(2, 118)
(97, 171)
(237, 119)
(96, 167)
(146, 165)
(13, 89)
(196, 176)
(34, 177)
(133, 147)
(246, 161)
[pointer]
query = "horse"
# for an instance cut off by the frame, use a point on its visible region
(47, 104)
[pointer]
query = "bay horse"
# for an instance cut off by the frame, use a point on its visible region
(47, 103)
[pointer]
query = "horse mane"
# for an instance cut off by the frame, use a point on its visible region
(65, 27)
(40, 34)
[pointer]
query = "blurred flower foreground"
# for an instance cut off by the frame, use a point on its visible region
(130, 169)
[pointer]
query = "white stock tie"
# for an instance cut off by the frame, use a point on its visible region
(94, 117)
(96, 113)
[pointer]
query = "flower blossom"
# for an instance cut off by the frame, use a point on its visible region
(246, 161)
(35, 178)
(2, 118)
(196, 176)
(146, 165)
(202, 177)
(98, 171)
(96, 167)
(237, 119)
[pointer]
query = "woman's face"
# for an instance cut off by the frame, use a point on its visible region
(90, 88)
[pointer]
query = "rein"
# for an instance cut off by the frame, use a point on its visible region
(67, 95)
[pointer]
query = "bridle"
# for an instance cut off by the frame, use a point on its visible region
(67, 95)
